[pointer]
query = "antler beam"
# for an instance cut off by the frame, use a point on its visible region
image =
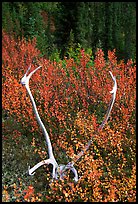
(113, 92)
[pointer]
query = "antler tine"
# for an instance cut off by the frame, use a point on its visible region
(29, 76)
(75, 174)
(25, 79)
(115, 84)
(69, 166)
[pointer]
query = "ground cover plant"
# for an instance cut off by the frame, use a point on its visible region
(72, 96)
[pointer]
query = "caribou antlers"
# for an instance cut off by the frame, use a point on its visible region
(59, 170)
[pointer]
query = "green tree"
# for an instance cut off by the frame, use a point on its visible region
(65, 24)
(26, 19)
(129, 27)
(108, 25)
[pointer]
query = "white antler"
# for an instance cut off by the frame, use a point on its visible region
(57, 169)
(113, 92)
(25, 82)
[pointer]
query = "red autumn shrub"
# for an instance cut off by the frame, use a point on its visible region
(72, 98)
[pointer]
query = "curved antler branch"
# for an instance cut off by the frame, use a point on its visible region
(25, 82)
(61, 170)
(113, 92)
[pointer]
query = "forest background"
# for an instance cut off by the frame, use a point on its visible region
(63, 27)
(76, 43)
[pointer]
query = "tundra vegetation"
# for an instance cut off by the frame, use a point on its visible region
(72, 95)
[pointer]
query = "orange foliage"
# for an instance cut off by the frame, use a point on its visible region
(68, 95)
(29, 193)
